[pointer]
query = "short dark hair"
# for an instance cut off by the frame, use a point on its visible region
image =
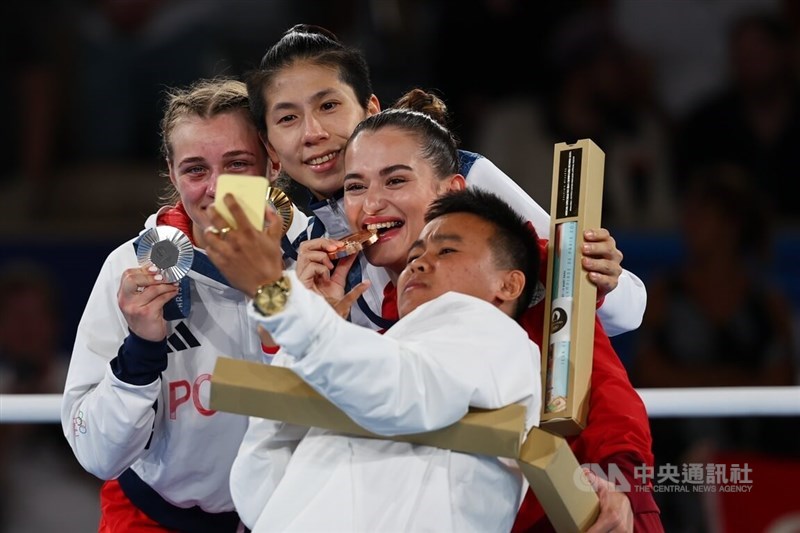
(515, 246)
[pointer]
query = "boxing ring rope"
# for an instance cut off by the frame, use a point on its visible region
(660, 403)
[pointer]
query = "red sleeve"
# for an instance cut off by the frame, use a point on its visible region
(543, 260)
(617, 417)
(646, 515)
(617, 427)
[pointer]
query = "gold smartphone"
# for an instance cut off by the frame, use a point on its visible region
(249, 191)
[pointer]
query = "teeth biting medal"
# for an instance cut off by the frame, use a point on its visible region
(354, 243)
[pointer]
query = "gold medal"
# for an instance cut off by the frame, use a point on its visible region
(354, 243)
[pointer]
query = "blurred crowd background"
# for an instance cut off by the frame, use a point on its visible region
(696, 104)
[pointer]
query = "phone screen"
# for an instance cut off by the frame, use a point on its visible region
(249, 191)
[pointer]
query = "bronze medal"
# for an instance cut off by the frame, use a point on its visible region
(279, 201)
(354, 243)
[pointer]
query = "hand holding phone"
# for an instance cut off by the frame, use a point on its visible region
(250, 192)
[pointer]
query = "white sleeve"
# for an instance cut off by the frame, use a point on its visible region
(107, 422)
(485, 175)
(623, 308)
(263, 456)
(423, 374)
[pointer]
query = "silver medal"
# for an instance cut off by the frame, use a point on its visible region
(169, 249)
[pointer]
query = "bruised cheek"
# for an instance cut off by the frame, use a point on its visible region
(193, 192)
(192, 196)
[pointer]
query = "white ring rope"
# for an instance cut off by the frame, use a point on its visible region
(33, 408)
(722, 401)
(660, 403)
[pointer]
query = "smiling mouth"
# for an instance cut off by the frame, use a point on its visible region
(383, 227)
(323, 159)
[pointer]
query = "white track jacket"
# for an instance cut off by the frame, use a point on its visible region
(144, 406)
(423, 374)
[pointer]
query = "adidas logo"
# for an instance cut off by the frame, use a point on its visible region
(181, 339)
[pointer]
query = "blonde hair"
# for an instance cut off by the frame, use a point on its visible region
(205, 98)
